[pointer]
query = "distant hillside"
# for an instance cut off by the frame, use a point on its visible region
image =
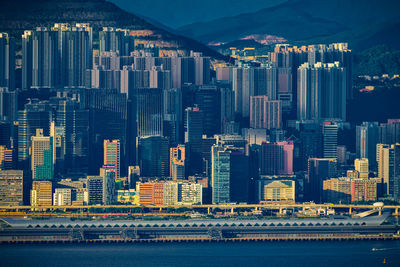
(362, 23)
(19, 15)
(377, 60)
(176, 13)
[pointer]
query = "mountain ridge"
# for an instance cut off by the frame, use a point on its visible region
(301, 20)
(183, 12)
(99, 13)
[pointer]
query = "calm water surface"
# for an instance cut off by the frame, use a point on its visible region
(332, 253)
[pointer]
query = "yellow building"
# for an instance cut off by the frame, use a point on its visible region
(41, 193)
(130, 196)
(182, 193)
(280, 191)
(337, 189)
(362, 166)
(6, 158)
(364, 190)
(346, 189)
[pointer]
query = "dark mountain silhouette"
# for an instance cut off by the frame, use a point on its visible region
(361, 23)
(19, 15)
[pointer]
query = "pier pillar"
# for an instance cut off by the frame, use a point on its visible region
(232, 210)
(380, 212)
(396, 212)
(350, 210)
(208, 210)
(280, 210)
(160, 209)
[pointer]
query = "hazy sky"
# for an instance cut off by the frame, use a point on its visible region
(176, 13)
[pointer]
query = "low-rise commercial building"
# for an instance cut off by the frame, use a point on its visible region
(130, 196)
(11, 187)
(62, 197)
(279, 191)
(151, 193)
(41, 193)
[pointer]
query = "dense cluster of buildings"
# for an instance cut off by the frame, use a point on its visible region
(109, 120)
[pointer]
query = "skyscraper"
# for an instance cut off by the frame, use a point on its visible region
(27, 59)
(239, 178)
(116, 40)
(277, 158)
(194, 69)
(362, 166)
(330, 139)
(111, 117)
(148, 111)
(159, 78)
(8, 104)
(389, 169)
(220, 174)
(271, 158)
(318, 171)
(288, 148)
(71, 135)
(285, 91)
(335, 52)
(56, 56)
(177, 162)
(112, 155)
(75, 51)
(321, 91)
(42, 158)
(7, 61)
(201, 68)
(389, 133)
(172, 127)
(230, 174)
(36, 115)
(310, 143)
(153, 156)
(207, 97)
(227, 107)
(265, 113)
(367, 136)
(193, 124)
(45, 58)
(108, 172)
(250, 81)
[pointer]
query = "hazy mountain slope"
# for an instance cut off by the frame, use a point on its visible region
(98, 13)
(181, 12)
(301, 20)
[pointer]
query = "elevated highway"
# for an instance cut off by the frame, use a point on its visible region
(209, 208)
